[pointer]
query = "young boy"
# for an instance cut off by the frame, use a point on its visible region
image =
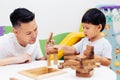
(93, 22)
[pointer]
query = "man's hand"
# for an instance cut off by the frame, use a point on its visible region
(23, 58)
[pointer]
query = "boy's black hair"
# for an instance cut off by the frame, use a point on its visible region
(21, 15)
(95, 17)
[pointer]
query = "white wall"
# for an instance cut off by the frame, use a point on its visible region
(55, 16)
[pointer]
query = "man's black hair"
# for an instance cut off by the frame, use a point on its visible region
(21, 15)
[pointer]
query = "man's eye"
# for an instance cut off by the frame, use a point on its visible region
(28, 33)
(35, 29)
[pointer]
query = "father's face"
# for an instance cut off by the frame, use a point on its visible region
(26, 33)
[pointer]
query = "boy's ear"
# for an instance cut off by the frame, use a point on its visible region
(100, 27)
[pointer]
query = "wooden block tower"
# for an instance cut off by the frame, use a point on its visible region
(83, 65)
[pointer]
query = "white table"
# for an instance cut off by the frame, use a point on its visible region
(101, 73)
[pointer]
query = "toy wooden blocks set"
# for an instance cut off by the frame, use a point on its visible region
(84, 65)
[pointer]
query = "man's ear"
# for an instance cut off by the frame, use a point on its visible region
(15, 30)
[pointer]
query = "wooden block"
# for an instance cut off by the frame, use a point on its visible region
(84, 74)
(71, 63)
(48, 60)
(80, 57)
(66, 66)
(49, 39)
(55, 59)
(63, 66)
(89, 52)
(74, 67)
(97, 64)
(82, 70)
(67, 54)
(41, 72)
(67, 57)
(53, 51)
(60, 67)
(89, 67)
(89, 61)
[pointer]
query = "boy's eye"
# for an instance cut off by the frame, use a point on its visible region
(87, 28)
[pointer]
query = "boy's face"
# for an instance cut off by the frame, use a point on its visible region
(92, 32)
(26, 33)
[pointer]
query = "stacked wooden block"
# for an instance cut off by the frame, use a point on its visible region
(84, 65)
(69, 56)
(52, 51)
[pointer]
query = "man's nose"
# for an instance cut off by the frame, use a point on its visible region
(34, 34)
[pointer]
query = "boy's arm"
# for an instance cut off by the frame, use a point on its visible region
(103, 60)
(66, 49)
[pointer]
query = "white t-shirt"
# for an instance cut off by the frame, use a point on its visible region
(102, 47)
(9, 46)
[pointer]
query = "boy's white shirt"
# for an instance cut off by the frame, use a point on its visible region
(102, 47)
(9, 46)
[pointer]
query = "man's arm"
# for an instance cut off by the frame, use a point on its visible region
(22, 58)
(7, 61)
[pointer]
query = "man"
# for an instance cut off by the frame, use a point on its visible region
(22, 45)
